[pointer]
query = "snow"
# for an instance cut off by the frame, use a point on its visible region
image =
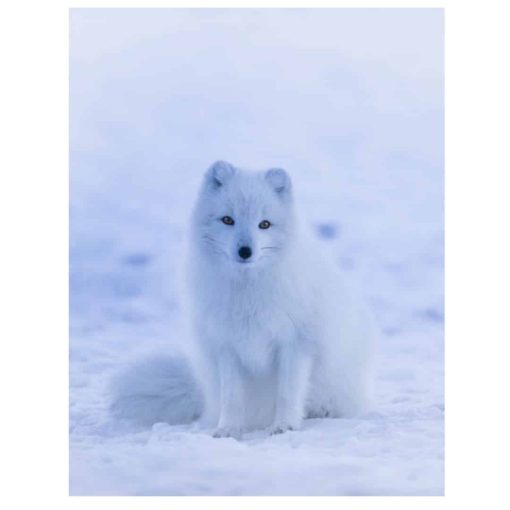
(350, 102)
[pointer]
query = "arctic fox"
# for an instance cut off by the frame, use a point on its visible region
(279, 334)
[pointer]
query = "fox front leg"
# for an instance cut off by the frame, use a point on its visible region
(231, 412)
(294, 368)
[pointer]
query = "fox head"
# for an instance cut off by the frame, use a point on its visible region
(244, 218)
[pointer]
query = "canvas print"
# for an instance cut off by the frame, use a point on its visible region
(256, 252)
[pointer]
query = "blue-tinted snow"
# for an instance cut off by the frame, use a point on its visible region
(351, 103)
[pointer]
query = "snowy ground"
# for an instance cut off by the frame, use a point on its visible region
(350, 102)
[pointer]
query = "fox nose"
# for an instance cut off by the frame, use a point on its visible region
(245, 252)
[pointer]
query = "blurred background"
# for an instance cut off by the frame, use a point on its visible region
(349, 101)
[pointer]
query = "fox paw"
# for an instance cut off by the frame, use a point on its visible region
(280, 428)
(233, 432)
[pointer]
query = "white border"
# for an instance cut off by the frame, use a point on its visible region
(34, 185)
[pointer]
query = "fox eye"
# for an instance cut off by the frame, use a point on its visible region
(227, 220)
(264, 224)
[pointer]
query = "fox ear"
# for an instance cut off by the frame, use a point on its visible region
(279, 180)
(219, 173)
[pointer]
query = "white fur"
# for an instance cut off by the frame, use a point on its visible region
(278, 338)
(157, 389)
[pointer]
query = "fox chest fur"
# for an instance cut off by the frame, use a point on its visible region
(250, 316)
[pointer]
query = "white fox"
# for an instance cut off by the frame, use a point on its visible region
(279, 334)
